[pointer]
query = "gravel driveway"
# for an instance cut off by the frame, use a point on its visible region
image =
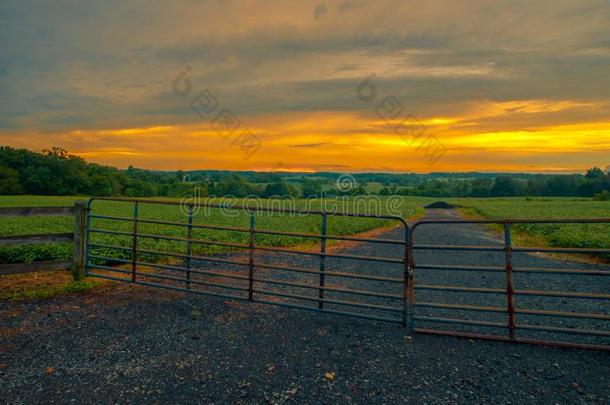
(139, 344)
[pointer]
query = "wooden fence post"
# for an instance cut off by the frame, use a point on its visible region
(80, 236)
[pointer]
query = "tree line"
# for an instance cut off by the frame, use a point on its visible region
(56, 172)
(595, 183)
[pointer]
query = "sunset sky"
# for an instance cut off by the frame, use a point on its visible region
(488, 85)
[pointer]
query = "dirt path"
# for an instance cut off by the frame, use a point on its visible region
(141, 344)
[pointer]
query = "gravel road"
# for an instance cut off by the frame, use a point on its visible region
(139, 344)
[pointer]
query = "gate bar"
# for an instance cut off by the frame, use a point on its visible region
(332, 273)
(469, 335)
(189, 246)
(510, 292)
(256, 280)
(268, 266)
(251, 257)
(164, 277)
(134, 245)
(322, 261)
(246, 230)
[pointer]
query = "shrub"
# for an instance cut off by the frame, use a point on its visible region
(602, 196)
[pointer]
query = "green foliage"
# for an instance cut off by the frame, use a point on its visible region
(557, 235)
(280, 189)
(55, 172)
(235, 185)
(311, 188)
(80, 285)
(594, 173)
(10, 182)
(602, 196)
(230, 218)
(504, 187)
(49, 291)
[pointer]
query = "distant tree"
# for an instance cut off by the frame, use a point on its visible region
(562, 186)
(504, 187)
(481, 187)
(10, 182)
(56, 172)
(234, 185)
(384, 191)
(602, 196)
(281, 189)
(594, 173)
(311, 188)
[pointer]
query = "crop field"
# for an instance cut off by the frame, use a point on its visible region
(292, 222)
(594, 236)
(556, 235)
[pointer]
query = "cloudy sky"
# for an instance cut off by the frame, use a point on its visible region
(347, 85)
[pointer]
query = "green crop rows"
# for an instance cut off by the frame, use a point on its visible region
(557, 235)
(585, 236)
(148, 211)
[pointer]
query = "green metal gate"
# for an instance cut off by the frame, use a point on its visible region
(119, 248)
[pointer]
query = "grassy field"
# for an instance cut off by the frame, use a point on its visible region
(560, 235)
(552, 235)
(231, 218)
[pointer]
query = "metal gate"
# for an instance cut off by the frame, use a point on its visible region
(507, 299)
(132, 240)
(515, 297)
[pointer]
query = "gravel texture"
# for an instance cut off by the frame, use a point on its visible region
(140, 344)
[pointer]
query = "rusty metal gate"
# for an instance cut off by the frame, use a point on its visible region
(508, 301)
(132, 240)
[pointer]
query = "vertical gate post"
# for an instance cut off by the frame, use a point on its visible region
(134, 242)
(510, 292)
(322, 259)
(189, 247)
(409, 283)
(80, 240)
(251, 258)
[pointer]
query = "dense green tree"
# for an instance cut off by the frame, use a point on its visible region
(10, 182)
(504, 187)
(311, 188)
(481, 187)
(234, 185)
(594, 173)
(280, 189)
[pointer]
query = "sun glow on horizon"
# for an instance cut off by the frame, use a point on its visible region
(346, 141)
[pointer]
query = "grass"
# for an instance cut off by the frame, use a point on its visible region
(555, 235)
(230, 218)
(571, 235)
(48, 284)
(42, 285)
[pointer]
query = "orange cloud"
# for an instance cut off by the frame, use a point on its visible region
(342, 141)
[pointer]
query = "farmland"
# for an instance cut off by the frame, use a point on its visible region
(556, 235)
(595, 236)
(230, 218)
